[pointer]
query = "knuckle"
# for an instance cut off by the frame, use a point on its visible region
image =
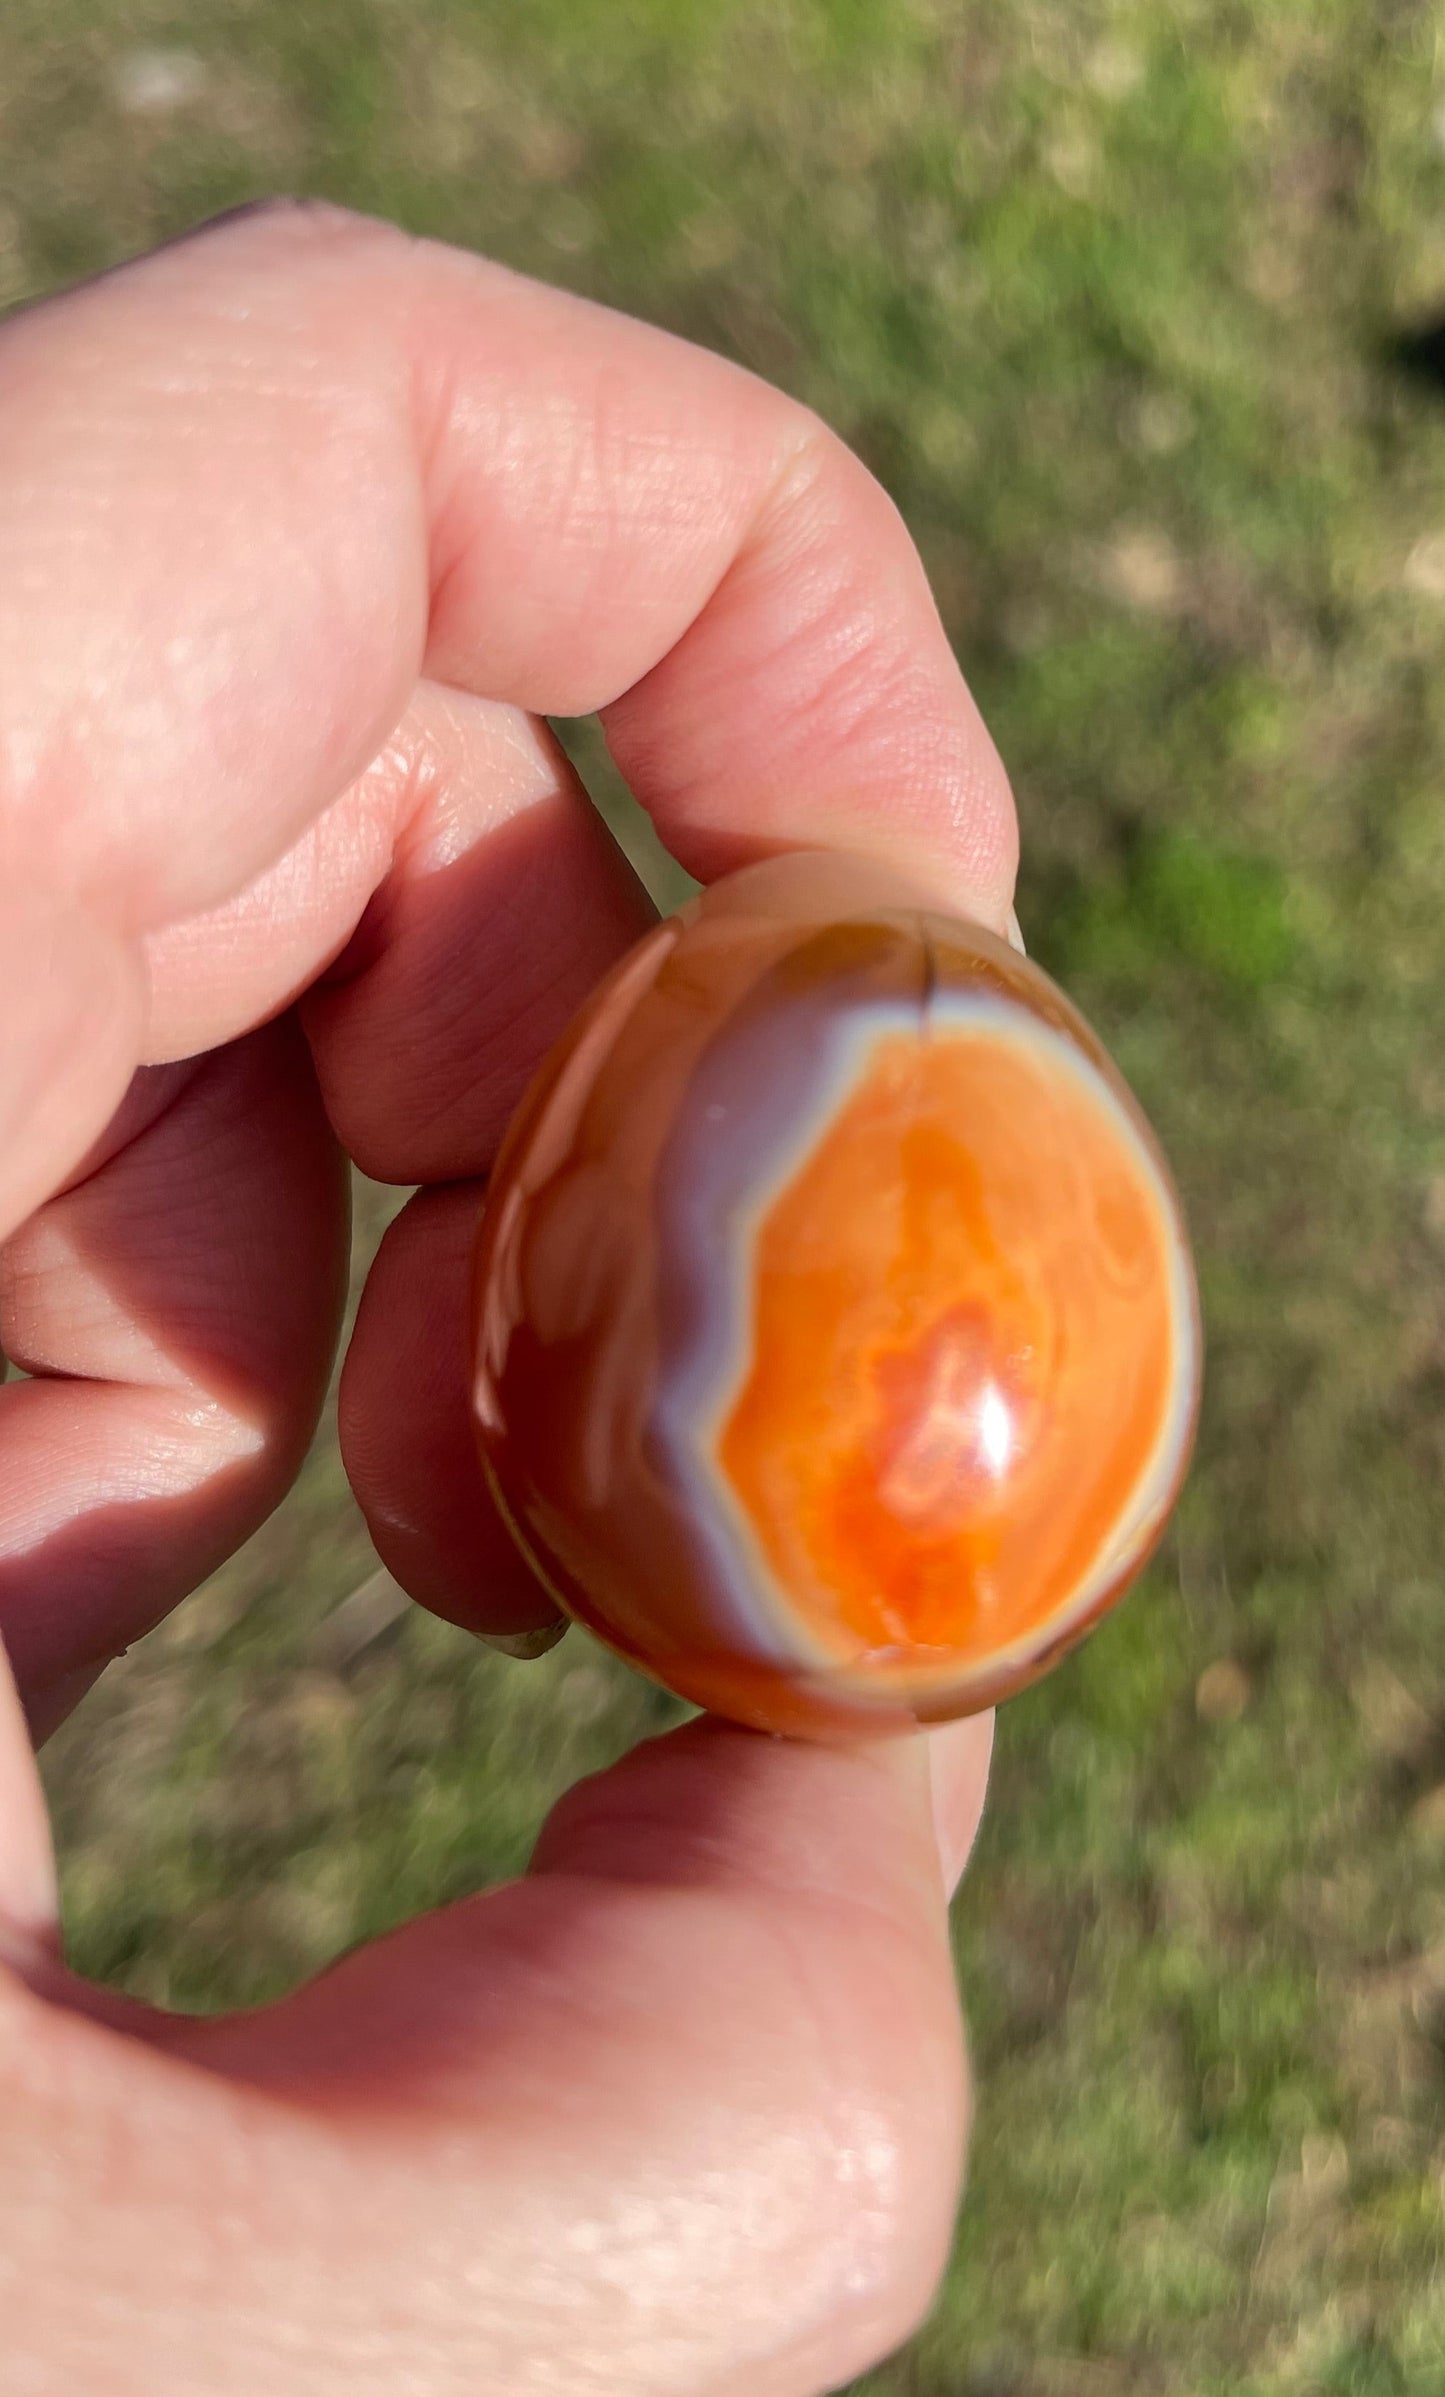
(819, 476)
(899, 2163)
(877, 2065)
(866, 2249)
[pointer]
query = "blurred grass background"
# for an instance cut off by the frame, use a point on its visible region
(1118, 297)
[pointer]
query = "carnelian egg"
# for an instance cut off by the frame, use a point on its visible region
(837, 1343)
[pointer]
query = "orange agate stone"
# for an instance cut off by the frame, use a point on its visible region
(837, 1342)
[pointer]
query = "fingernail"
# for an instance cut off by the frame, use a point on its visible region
(958, 1761)
(1016, 938)
(525, 1644)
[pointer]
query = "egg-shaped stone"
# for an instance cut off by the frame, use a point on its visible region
(837, 1348)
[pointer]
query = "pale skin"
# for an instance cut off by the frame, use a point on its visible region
(304, 528)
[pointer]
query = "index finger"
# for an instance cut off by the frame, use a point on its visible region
(258, 483)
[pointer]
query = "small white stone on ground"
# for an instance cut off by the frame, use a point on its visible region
(155, 83)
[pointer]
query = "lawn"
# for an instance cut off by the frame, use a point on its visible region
(1128, 303)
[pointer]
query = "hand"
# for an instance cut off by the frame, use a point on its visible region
(303, 526)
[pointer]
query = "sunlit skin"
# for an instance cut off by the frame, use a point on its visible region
(301, 520)
(837, 1342)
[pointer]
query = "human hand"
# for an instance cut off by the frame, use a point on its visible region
(303, 526)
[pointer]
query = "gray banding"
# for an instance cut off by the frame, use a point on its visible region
(760, 1099)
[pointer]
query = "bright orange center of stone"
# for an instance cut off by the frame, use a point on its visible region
(962, 1350)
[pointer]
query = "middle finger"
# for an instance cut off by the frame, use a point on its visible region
(505, 901)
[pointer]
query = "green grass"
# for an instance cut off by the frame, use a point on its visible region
(1107, 294)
